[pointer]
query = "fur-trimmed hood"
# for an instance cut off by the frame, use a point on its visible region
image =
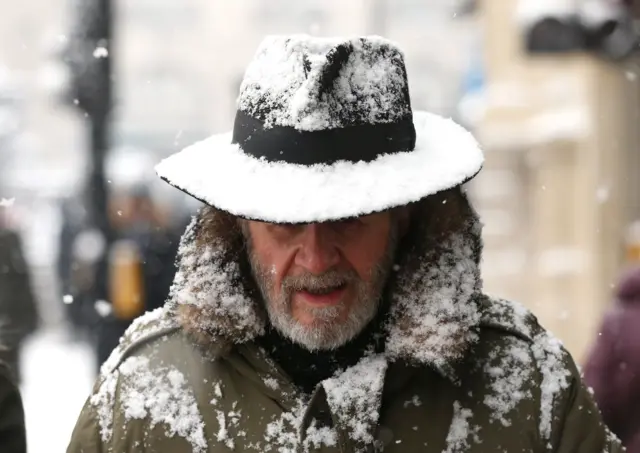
(435, 289)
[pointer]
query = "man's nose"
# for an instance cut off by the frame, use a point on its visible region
(318, 252)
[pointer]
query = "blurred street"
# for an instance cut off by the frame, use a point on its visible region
(53, 396)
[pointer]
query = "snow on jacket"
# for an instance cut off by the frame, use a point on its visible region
(613, 367)
(459, 373)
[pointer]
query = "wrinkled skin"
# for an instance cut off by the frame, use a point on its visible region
(322, 283)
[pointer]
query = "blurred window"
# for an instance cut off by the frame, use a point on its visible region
(305, 15)
(162, 13)
(419, 10)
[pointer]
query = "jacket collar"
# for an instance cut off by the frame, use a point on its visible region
(435, 297)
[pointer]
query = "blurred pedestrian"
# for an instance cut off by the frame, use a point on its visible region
(18, 310)
(141, 264)
(613, 366)
(12, 427)
(81, 247)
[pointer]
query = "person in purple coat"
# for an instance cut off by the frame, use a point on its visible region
(613, 366)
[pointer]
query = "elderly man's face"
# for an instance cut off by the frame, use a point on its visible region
(322, 282)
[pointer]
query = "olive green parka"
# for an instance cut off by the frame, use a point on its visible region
(460, 372)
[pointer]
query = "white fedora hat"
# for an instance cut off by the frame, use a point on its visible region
(324, 130)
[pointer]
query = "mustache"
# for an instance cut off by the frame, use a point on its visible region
(331, 279)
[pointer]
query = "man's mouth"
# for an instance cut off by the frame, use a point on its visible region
(329, 295)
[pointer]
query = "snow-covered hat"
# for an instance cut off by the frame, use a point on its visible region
(323, 131)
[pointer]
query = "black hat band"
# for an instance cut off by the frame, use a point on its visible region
(364, 142)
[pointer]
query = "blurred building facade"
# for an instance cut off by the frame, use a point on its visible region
(164, 73)
(44, 156)
(48, 155)
(235, 30)
(560, 184)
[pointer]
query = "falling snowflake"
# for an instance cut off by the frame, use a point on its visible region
(602, 194)
(103, 308)
(7, 202)
(101, 52)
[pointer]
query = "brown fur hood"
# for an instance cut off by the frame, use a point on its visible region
(435, 289)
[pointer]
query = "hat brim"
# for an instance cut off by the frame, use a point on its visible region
(219, 174)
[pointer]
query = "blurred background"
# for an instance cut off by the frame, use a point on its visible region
(94, 92)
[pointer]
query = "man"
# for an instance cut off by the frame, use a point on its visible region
(329, 297)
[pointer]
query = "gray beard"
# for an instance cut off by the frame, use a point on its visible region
(328, 331)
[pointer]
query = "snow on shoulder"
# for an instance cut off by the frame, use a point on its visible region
(148, 325)
(141, 386)
(161, 395)
(513, 365)
(510, 316)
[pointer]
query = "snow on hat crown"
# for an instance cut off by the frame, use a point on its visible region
(312, 100)
(314, 83)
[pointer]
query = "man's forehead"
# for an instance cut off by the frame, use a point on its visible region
(401, 214)
(324, 222)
